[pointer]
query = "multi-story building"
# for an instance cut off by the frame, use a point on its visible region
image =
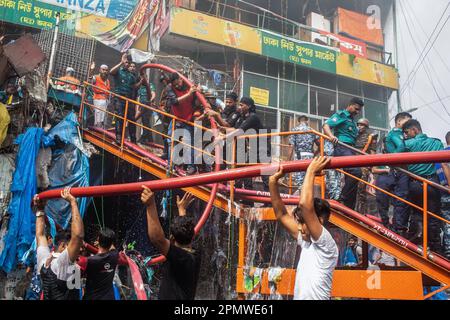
(295, 57)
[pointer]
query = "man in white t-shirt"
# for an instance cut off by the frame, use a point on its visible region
(319, 254)
(57, 269)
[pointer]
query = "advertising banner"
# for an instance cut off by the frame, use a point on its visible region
(203, 27)
(347, 45)
(113, 9)
(368, 71)
(359, 26)
(299, 52)
(123, 36)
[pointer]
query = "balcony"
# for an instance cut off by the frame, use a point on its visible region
(271, 21)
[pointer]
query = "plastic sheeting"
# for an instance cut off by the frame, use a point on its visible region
(21, 225)
(69, 167)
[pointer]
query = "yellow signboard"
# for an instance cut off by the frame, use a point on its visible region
(260, 96)
(368, 71)
(203, 27)
(92, 25)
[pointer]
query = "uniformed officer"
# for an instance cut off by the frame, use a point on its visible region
(366, 141)
(383, 181)
(345, 130)
(397, 181)
(303, 147)
(419, 142)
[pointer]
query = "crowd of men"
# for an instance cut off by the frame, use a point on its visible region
(319, 256)
(343, 131)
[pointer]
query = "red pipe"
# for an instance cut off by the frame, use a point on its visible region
(341, 209)
(292, 166)
(206, 213)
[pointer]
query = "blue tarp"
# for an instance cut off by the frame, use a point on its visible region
(69, 167)
(22, 220)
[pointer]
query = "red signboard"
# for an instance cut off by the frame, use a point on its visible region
(347, 45)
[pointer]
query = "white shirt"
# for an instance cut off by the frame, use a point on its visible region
(315, 268)
(60, 263)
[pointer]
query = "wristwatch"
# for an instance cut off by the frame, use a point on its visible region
(40, 213)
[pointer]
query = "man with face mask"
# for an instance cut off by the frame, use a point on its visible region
(320, 253)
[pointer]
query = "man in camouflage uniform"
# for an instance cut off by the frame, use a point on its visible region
(366, 141)
(303, 145)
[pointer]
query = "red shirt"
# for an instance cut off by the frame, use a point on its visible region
(185, 109)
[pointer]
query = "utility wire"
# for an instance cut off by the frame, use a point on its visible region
(423, 54)
(416, 45)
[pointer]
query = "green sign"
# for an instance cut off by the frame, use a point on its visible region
(35, 14)
(299, 52)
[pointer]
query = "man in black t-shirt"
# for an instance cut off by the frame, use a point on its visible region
(247, 123)
(180, 271)
(100, 268)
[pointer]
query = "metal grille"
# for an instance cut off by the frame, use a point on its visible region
(71, 51)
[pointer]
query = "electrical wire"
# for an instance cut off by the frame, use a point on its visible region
(416, 45)
(423, 55)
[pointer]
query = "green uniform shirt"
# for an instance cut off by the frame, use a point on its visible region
(344, 127)
(142, 93)
(422, 143)
(124, 81)
(395, 142)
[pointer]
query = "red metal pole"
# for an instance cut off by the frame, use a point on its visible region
(248, 172)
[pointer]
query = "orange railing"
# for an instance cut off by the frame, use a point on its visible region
(324, 137)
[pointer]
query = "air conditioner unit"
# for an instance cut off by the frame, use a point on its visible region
(318, 21)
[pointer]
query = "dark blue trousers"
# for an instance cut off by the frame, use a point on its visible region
(349, 191)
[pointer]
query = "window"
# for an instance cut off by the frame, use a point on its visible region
(293, 96)
(268, 117)
(376, 113)
(261, 65)
(374, 92)
(352, 87)
(267, 89)
(321, 79)
(344, 99)
(292, 72)
(323, 102)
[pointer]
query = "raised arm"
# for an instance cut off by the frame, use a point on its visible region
(77, 228)
(184, 203)
(41, 239)
(306, 203)
(116, 68)
(287, 220)
(154, 229)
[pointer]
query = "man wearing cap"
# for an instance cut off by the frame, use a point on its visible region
(69, 81)
(229, 116)
(345, 130)
(366, 141)
(125, 83)
(101, 86)
(248, 120)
